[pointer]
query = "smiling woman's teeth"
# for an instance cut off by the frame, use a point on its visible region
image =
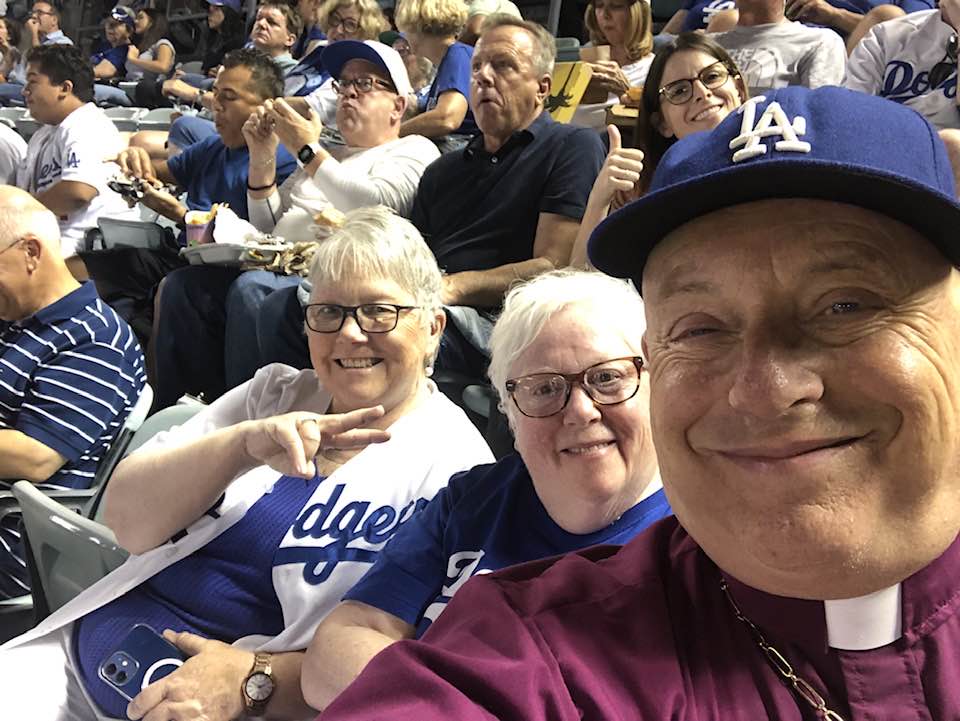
(358, 362)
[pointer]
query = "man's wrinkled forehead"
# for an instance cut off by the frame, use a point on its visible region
(358, 67)
(794, 238)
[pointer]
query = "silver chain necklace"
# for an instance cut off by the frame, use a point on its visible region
(801, 687)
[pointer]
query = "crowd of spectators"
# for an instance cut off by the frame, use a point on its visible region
(713, 314)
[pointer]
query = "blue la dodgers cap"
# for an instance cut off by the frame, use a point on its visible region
(827, 144)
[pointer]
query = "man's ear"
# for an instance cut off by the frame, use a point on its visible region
(400, 107)
(33, 250)
(66, 88)
(291, 41)
(543, 91)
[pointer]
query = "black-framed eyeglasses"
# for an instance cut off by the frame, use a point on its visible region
(942, 70)
(364, 84)
(348, 24)
(371, 317)
(680, 91)
(607, 383)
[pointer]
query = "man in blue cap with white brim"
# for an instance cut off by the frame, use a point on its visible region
(798, 267)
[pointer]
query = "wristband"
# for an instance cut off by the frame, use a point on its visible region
(262, 187)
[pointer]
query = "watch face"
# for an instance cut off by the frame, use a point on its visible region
(259, 686)
(305, 154)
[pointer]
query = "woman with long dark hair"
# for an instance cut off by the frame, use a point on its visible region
(692, 85)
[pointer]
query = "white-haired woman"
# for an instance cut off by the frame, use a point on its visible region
(282, 502)
(432, 27)
(565, 362)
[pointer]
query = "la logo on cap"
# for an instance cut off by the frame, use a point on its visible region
(773, 123)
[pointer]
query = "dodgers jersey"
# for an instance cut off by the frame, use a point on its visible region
(487, 518)
(77, 149)
(894, 61)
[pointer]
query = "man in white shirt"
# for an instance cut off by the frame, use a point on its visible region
(913, 61)
(773, 52)
(65, 167)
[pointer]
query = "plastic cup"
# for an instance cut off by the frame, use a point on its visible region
(199, 228)
(595, 53)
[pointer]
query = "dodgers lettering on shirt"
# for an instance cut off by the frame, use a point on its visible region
(486, 519)
(902, 82)
(351, 531)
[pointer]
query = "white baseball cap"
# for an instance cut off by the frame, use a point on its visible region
(338, 54)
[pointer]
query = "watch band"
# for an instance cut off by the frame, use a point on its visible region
(261, 666)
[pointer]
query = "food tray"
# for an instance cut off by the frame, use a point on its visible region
(226, 253)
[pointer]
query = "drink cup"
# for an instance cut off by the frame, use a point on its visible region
(595, 53)
(199, 227)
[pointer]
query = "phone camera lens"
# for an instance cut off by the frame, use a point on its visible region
(122, 677)
(110, 669)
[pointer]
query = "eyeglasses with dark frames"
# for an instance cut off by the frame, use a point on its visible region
(364, 84)
(348, 24)
(680, 91)
(371, 317)
(942, 70)
(608, 383)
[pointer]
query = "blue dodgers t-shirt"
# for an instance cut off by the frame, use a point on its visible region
(453, 75)
(700, 12)
(117, 57)
(211, 173)
(487, 518)
(224, 590)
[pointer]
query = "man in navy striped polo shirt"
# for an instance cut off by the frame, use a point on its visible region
(70, 369)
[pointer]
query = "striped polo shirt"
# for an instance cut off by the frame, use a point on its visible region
(69, 376)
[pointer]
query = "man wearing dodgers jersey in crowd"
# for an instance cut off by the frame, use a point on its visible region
(913, 60)
(64, 168)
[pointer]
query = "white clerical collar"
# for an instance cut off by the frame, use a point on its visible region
(866, 622)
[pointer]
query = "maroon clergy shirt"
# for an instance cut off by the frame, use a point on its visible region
(644, 632)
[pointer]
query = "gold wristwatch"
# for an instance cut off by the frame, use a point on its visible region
(258, 686)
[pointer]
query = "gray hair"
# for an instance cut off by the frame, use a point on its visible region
(23, 215)
(528, 306)
(545, 52)
(375, 242)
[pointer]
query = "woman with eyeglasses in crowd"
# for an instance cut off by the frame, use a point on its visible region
(693, 84)
(566, 366)
(249, 522)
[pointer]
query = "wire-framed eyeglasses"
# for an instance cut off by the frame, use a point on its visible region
(364, 84)
(371, 317)
(348, 24)
(680, 91)
(539, 395)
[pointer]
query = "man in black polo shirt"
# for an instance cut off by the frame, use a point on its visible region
(505, 208)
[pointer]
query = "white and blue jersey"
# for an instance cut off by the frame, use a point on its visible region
(69, 376)
(486, 519)
(894, 61)
(263, 567)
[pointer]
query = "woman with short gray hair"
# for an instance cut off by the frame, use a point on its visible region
(250, 521)
(566, 363)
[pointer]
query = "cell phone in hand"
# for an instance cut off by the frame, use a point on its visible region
(141, 658)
